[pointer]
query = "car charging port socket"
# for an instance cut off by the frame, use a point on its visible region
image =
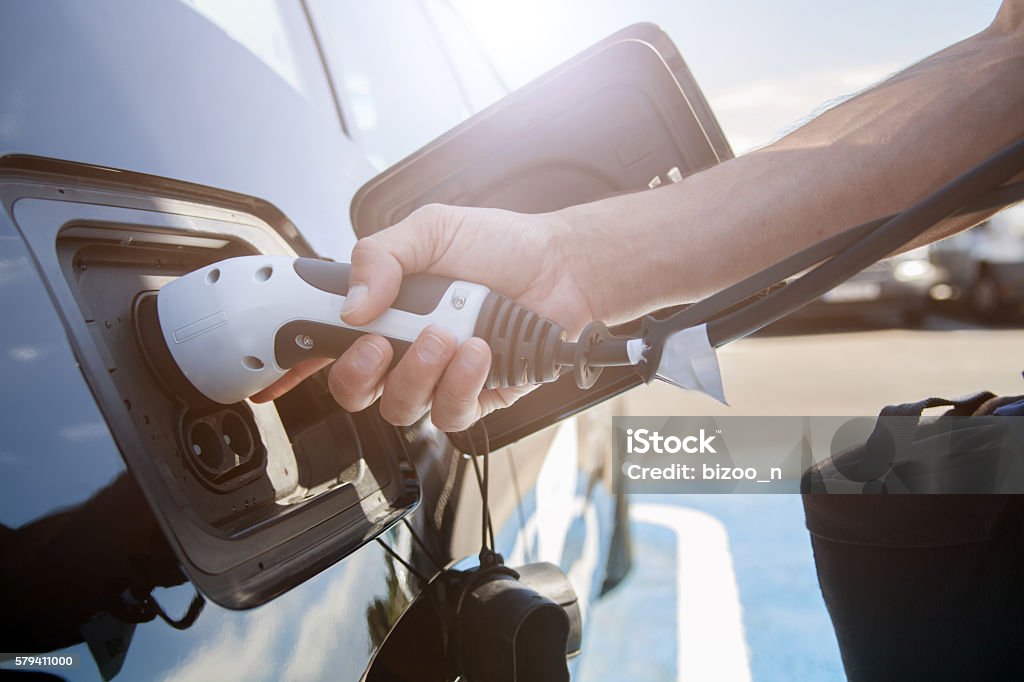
(222, 448)
(254, 497)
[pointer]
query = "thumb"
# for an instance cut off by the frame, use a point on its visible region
(380, 261)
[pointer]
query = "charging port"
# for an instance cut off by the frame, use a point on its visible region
(254, 498)
(238, 467)
(223, 449)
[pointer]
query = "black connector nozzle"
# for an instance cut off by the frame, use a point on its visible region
(516, 625)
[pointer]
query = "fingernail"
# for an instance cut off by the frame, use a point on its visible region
(473, 357)
(430, 348)
(355, 297)
(368, 357)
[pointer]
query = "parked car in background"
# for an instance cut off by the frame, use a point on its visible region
(984, 267)
(895, 289)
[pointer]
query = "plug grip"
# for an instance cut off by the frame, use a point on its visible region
(524, 345)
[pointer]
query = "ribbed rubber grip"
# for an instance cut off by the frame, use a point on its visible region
(524, 345)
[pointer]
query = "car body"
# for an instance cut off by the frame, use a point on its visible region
(139, 141)
(984, 266)
(241, 99)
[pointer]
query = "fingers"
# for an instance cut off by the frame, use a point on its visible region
(291, 379)
(374, 281)
(356, 378)
(380, 261)
(433, 375)
(409, 388)
(457, 398)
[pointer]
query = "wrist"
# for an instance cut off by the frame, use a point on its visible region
(586, 244)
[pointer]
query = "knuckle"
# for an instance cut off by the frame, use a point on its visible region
(453, 409)
(429, 213)
(401, 404)
(398, 412)
(450, 423)
(363, 249)
(402, 384)
(349, 401)
(454, 401)
(353, 379)
(351, 389)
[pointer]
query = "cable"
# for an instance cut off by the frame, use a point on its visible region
(527, 553)
(426, 589)
(487, 508)
(423, 581)
(437, 564)
(487, 484)
(758, 284)
(878, 243)
(480, 487)
(611, 353)
(486, 527)
(743, 294)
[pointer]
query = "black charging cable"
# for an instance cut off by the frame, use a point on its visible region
(487, 547)
(752, 304)
(868, 248)
(755, 305)
(761, 283)
(878, 244)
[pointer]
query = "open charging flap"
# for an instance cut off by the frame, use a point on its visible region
(253, 499)
(625, 115)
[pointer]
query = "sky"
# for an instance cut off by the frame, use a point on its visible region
(763, 65)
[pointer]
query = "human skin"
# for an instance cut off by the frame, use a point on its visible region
(618, 258)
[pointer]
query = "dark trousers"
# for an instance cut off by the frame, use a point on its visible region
(922, 586)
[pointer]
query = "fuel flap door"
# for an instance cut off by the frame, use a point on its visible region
(625, 115)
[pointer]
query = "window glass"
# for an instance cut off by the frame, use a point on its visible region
(480, 81)
(395, 82)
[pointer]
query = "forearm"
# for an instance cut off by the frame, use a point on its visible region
(868, 157)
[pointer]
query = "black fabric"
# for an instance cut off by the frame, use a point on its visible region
(922, 586)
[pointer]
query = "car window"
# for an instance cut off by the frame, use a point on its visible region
(395, 81)
(481, 83)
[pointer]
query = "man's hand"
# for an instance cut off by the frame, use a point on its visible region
(515, 254)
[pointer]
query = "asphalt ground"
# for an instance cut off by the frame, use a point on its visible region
(723, 586)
